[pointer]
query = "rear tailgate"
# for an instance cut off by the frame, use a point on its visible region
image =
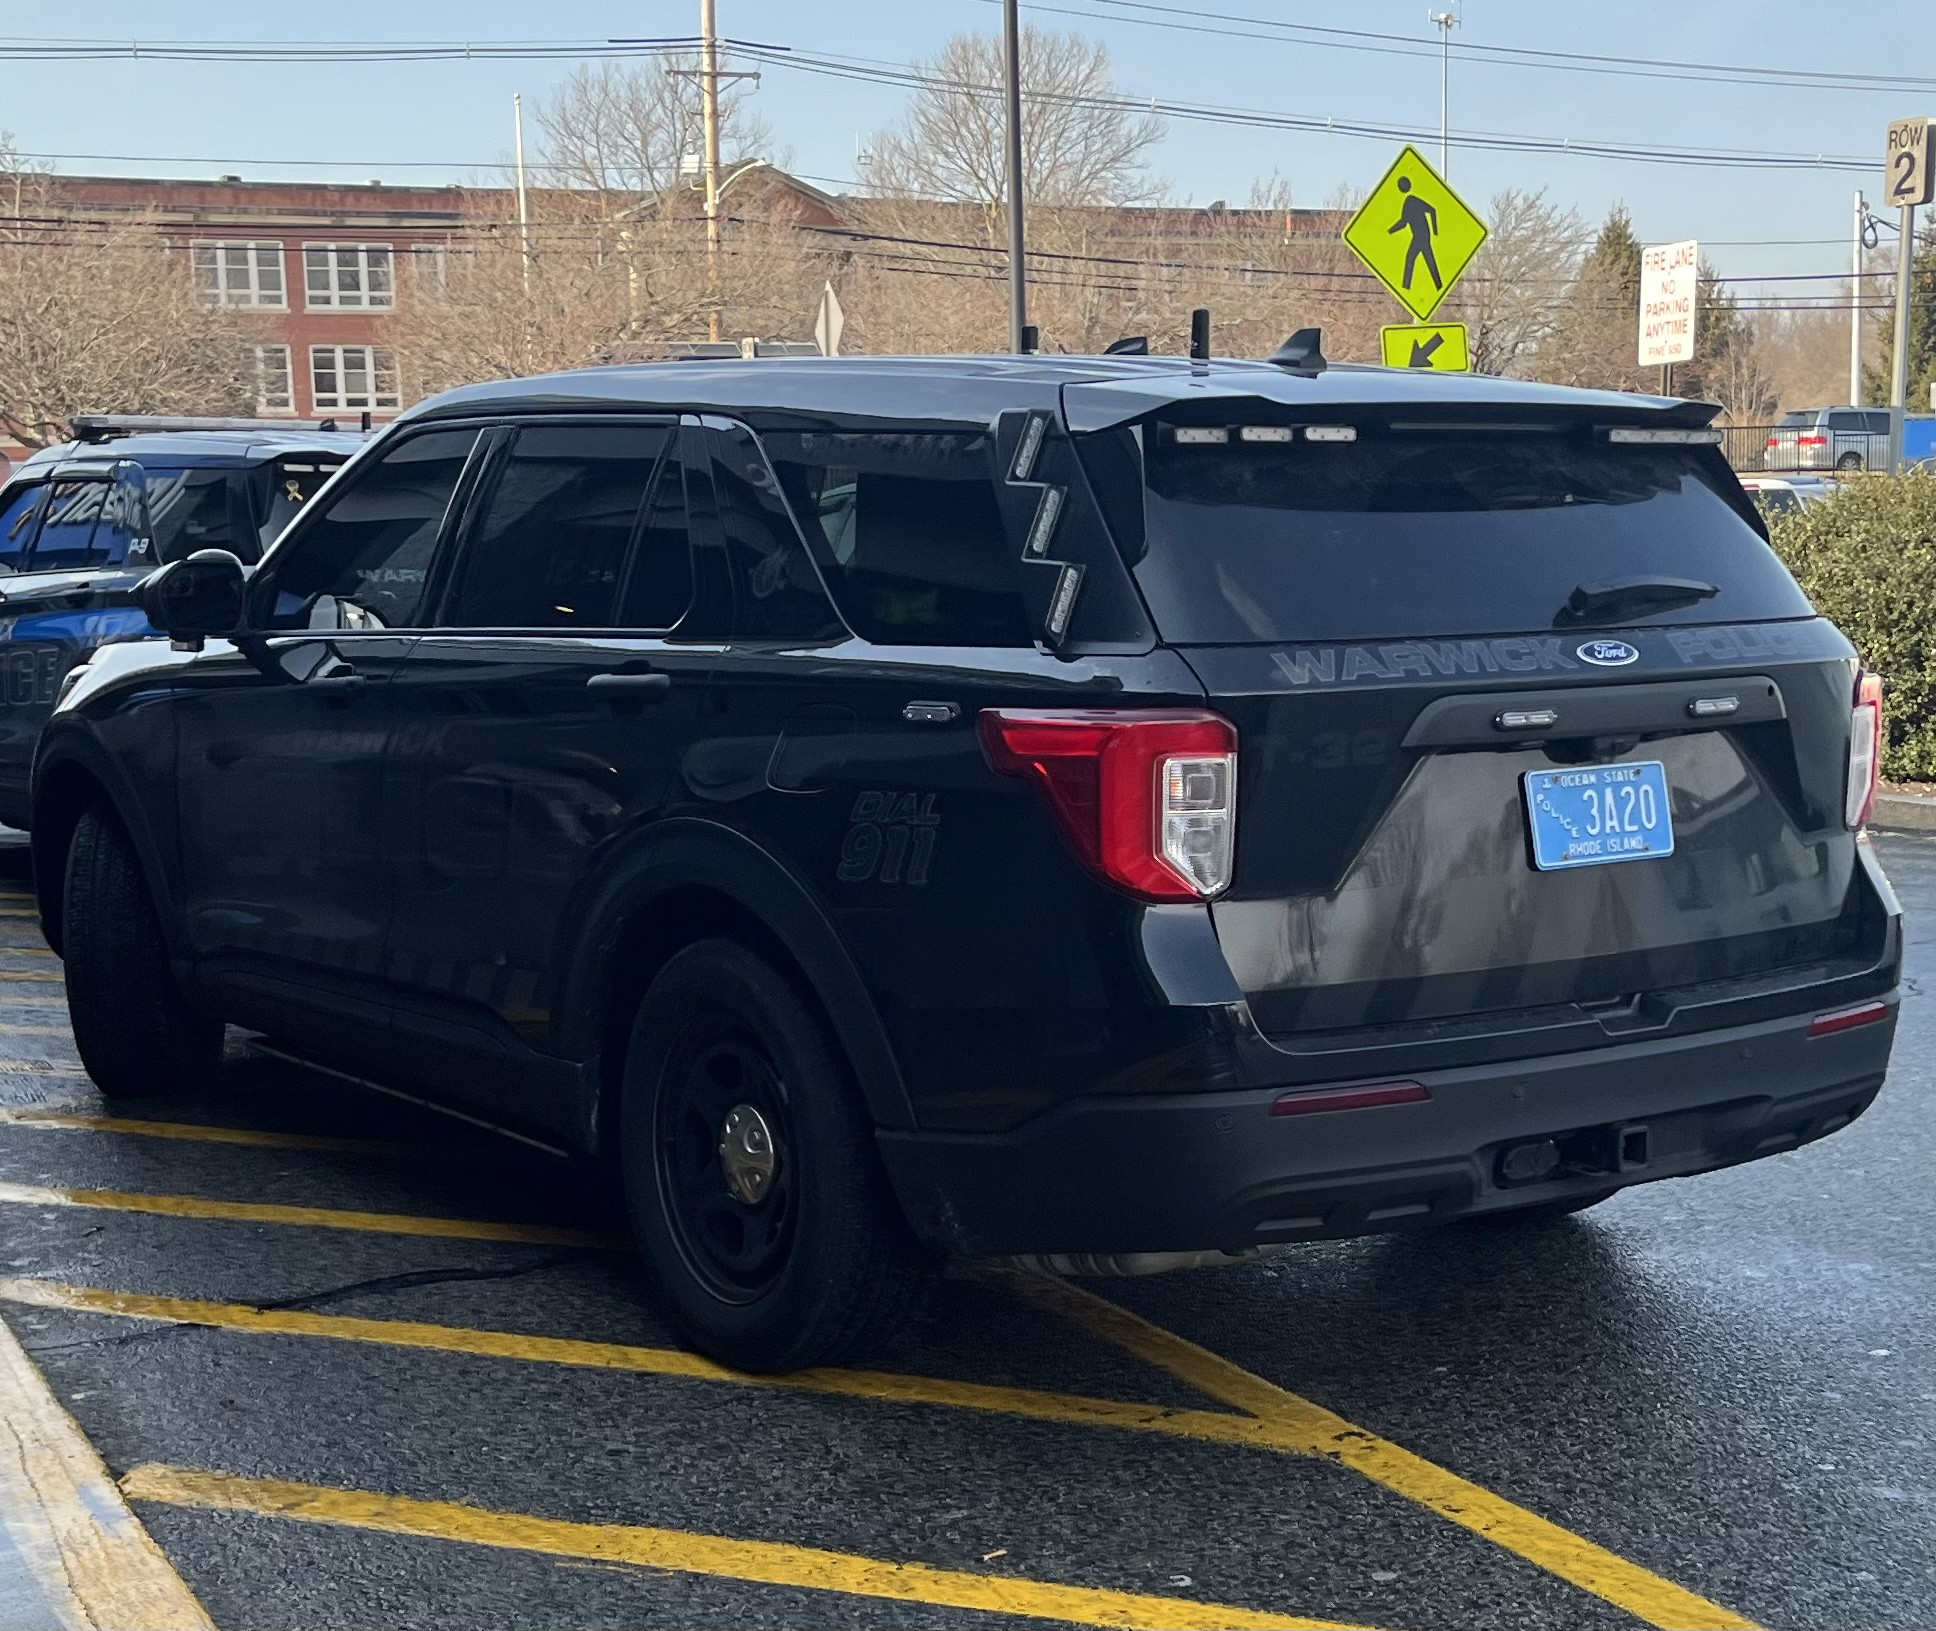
(1405, 626)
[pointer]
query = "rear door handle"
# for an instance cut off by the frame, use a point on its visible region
(341, 680)
(635, 687)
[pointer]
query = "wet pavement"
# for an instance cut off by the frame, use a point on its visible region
(356, 1365)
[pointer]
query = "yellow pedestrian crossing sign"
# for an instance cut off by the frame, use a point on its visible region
(1416, 234)
(1440, 347)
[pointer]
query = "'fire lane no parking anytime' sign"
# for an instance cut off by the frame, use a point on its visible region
(1669, 283)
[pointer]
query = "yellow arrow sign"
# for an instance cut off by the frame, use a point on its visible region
(1440, 347)
(1416, 234)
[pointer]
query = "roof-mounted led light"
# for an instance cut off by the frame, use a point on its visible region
(1647, 436)
(1330, 433)
(1201, 435)
(1265, 433)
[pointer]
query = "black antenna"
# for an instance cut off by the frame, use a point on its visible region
(1031, 338)
(1200, 334)
(1130, 345)
(1302, 353)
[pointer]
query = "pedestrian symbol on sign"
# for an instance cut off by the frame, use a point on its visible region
(1422, 221)
(1416, 235)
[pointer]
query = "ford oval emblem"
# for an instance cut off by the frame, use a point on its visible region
(1607, 653)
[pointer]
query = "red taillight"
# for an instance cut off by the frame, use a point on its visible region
(1846, 1019)
(1349, 1098)
(1145, 796)
(1865, 751)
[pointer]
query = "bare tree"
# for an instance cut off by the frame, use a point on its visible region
(620, 131)
(1513, 294)
(1083, 142)
(103, 317)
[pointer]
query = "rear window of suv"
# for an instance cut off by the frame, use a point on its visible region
(1445, 532)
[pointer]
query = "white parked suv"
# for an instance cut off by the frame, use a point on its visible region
(1829, 439)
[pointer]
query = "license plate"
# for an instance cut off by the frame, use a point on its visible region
(1595, 814)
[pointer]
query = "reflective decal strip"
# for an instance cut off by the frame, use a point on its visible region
(1042, 528)
(1029, 448)
(1063, 604)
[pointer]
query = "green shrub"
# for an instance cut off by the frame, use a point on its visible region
(1867, 558)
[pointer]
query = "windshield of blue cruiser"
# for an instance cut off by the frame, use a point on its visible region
(1445, 532)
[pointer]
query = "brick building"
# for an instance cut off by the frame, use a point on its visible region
(319, 265)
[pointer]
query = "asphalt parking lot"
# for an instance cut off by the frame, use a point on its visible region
(355, 1365)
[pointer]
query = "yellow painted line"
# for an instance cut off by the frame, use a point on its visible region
(878, 1386)
(17, 911)
(763, 1562)
(24, 951)
(199, 1132)
(306, 1217)
(30, 974)
(38, 1067)
(1321, 1432)
(94, 1564)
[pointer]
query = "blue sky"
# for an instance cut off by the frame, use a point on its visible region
(379, 120)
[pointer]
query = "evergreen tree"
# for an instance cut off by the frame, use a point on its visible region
(1594, 341)
(1879, 379)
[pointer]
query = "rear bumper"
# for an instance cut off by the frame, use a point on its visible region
(1185, 1172)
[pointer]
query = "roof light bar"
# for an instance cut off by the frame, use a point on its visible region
(1647, 436)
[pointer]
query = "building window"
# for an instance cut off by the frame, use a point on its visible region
(240, 275)
(352, 376)
(274, 389)
(348, 277)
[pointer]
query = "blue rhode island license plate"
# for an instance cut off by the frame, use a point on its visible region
(1599, 813)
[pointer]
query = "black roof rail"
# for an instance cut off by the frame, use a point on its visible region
(103, 427)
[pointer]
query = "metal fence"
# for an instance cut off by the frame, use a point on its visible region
(1747, 449)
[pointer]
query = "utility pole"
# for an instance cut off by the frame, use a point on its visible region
(1855, 301)
(524, 201)
(709, 116)
(1017, 271)
(1446, 21)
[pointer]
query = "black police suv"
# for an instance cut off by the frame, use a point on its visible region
(82, 523)
(1105, 809)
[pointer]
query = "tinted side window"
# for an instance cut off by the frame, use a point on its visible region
(906, 530)
(776, 594)
(551, 547)
(363, 561)
(67, 535)
(189, 510)
(19, 510)
(658, 589)
(1845, 421)
(1878, 423)
(285, 487)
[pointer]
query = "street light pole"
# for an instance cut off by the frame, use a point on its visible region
(524, 202)
(1017, 272)
(1446, 21)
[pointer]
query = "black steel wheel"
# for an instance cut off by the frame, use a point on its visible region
(725, 1163)
(751, 1175)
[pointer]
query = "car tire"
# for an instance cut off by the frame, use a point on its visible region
(137, 1034)
(811, 1262)
(1849, 461)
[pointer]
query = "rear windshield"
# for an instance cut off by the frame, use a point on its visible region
(1403, 533)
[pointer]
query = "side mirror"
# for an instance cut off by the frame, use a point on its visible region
(196, 598)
